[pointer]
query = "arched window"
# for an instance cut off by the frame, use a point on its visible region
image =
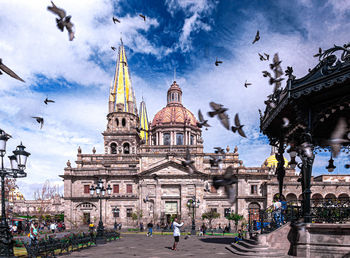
(172, 96)
(316, 199)
(117, 121)
(123, 122)
(179, 139)
(126, 148)
(191, 139)
(291, 197)
(166, 139)
(113, 148)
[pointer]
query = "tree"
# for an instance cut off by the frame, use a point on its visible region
(210, 215)
(235, 217)
(44, 195)
(137, 216)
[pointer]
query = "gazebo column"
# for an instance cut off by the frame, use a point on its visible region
(280, 167)
(307, 156)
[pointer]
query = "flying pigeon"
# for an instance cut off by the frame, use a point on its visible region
(261, 57)
(267, 56)
(238, 127)
(7, 70)
(319, 52)
(48, 101)
(275, 62)
(246, 84)
(115, 20)
(40, 120)
(266, 74)
(113, 48)
(219, 150)
(226, 181)
(143, 17)
(257, 37)
(217, 62)
(214, 161)
(188, 163)
(219, 110)
(202, 122)
(337, 137)
(64, 20)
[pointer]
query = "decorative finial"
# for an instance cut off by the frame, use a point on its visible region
(79, 150)
(68, 164)
(236, 149)
(228, 148)
(93, 150)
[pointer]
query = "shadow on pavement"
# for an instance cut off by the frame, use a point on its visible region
(217, 240)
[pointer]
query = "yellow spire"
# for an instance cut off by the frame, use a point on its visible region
(143, 121)
(121, 90)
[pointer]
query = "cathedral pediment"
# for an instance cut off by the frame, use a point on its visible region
(169, 168)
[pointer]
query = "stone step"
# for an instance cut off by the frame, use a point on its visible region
(255, 250)
(250, 245)
(254, 254)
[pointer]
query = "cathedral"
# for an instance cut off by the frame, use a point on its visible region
(141, 168)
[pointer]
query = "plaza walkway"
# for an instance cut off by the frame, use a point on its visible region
(139, 245)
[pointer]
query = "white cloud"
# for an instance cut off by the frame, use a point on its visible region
(194, 10)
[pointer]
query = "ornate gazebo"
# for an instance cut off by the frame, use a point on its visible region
(310, 113)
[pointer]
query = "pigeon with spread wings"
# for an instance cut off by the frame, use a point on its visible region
(202, 122)
(40, 120)
(227, 180)
(220, 111)
(7, 70)
(238, 127)
(188, 163)
(48, 101)
(337, 137)
(257, 37)
(63, 21)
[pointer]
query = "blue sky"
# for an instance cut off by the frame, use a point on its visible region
(184, 34)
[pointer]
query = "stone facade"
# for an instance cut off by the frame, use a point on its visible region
(147, 176)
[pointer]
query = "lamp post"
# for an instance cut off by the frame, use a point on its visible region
(100, 193)
(115, 211)
(193, 203)
(18, 164)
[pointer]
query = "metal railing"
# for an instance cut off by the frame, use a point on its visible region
(322, 211)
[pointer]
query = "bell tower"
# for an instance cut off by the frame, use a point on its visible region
(121, 135)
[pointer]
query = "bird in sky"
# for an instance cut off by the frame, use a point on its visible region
(220, 111)
(273, 80)
(337, 136)
(227, 180)
(40, 120)
(64, 20)
(123, 62)
(261, 57)
(188, 163)
(143, 17)
(7, 70)
(202, 122)
(113, 48)
(275, 62)
(238, 127)
(115, 20)
(266, 74)
(217, 62)
(267, 56)
(246, 84)
(219, 150)
(48, 101)
(257, 37)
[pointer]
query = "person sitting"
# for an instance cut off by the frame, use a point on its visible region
(239, 237)
(34, 233)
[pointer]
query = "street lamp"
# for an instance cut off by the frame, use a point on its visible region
(115, 211)
(331, 166)
(193, 203)
(100, 193)
(18, 165)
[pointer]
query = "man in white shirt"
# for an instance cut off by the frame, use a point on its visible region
(176, 233)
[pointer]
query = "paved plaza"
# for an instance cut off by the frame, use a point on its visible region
(139, 245)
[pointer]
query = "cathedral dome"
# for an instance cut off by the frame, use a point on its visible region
(272, 161)
(174, 115)
(174, 112)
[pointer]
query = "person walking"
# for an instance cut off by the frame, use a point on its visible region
(176, 227)
(277, 207)
(53, 227)
(150, 229)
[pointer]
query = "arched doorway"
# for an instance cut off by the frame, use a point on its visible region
(277, 195)
(330, 197)
(85, 209)
(343, 197)
(291, 197)
(316, 199)
(253, 211)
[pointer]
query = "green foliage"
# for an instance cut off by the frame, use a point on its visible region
(134, 216)
(210, 215)
(235, 217)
